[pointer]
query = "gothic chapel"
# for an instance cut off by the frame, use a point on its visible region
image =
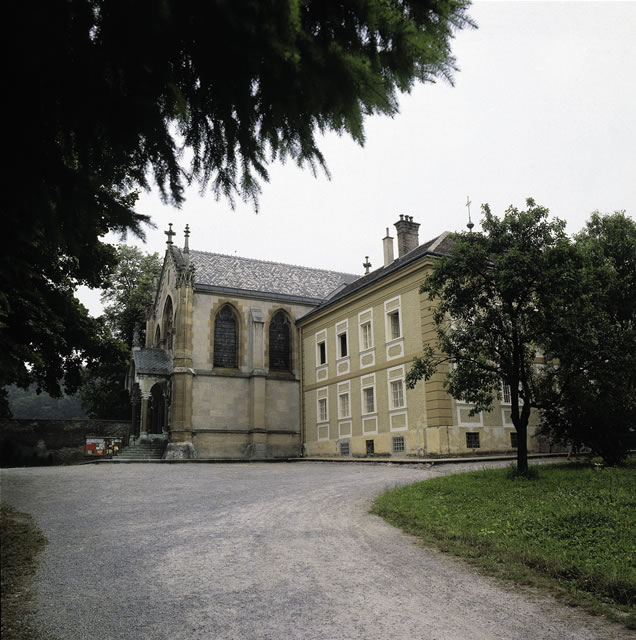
(219, 375)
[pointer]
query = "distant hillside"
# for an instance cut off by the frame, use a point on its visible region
(27, 404)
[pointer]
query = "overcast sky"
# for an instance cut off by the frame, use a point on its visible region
(544, 105)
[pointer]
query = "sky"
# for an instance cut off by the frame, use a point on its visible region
(543, 106)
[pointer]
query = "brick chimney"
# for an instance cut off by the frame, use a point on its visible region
(387, 243)
(407, 234)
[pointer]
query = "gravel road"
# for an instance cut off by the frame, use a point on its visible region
(257, 551)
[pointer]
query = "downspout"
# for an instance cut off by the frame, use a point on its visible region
(301, 404)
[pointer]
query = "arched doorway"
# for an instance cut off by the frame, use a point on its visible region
(157, 409)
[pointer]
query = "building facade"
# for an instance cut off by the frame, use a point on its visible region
(249, 359)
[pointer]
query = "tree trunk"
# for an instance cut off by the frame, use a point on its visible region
(522, 447)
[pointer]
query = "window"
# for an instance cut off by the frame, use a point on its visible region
(167, 323)
(225, 339)
(370, 447)
(506, 395)
(322, 352)
(472, 440)
(344, 408)
(345, 448)
(394, 325)
(513, 439)
(398, 444)
(323, 414)
(366, 337)
(279, 342)
(397, 394)
(342, 345)
(368, 398)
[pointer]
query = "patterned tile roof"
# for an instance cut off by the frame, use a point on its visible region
(218, 270)
(152, 361)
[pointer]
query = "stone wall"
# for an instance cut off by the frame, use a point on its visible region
(42, 442)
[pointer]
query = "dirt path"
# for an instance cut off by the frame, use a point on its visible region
(280, 551)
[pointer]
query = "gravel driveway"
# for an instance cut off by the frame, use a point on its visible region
(246, 551)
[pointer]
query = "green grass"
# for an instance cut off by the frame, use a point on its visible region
(20, 541)
(571, 528)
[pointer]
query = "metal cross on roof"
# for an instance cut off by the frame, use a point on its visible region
(470, 224)
(366, 265)
(170, 233)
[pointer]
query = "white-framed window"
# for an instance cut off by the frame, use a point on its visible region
(344, 405)
(368, 400)
(322, 404)
(323, 411)
(366, 336)
(365, 325)
(394, 325)
(367, 394)
(393, 318)
(342, 342)
(506, 395)
(397, 394)
(321, 352)
(396, 388)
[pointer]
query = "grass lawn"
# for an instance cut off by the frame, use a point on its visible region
(572, 528)
(21, 541)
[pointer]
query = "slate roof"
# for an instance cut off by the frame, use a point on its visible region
(218, 271)
(152, 361)
(439, 246)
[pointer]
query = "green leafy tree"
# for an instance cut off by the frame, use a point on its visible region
(107, 96)
(103, 392)
(126, 295)
(590, 334)
(485, 311)
(128, 292)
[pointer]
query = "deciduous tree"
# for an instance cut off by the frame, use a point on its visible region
(590, 335)
(484, 297)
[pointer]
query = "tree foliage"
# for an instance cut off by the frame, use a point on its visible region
(126, 295)
(590, 334)
(107, 96)
(485, 311)
(128, 292)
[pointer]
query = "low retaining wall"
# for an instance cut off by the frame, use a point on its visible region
(49, 442)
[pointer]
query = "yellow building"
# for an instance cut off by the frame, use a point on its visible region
(251, 359)
(357, 348)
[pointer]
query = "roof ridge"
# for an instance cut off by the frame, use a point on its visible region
(435, 243)
(283, 264)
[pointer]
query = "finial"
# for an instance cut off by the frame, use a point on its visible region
(470, 224)
(367, 265)
(186, 235)
(170, 233)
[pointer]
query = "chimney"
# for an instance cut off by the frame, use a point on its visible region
(407, 235)
(387, 242)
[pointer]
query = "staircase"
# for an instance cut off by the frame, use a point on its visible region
(141, 451)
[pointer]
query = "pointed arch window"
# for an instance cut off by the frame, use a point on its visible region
(280, 342)
(167, 323)
(226, 339)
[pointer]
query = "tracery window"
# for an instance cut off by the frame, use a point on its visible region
(226, 339)
(280, 342)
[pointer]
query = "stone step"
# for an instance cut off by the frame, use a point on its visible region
(141, 451)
